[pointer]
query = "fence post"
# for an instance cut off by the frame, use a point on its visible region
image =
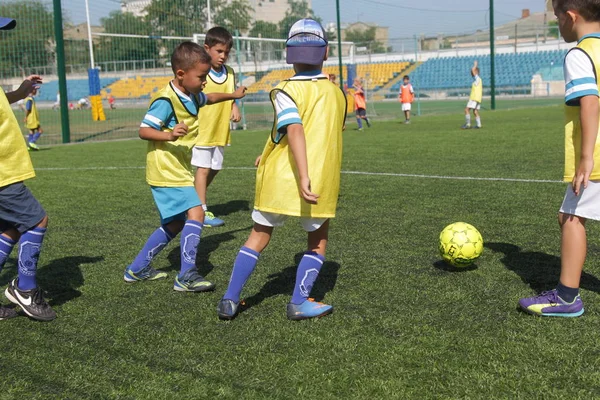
(62, 76)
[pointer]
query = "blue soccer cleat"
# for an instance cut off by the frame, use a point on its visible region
(549, 304)
(227, 309)
(192, 281)
(211, 221)
(145, 274)
(308, 309)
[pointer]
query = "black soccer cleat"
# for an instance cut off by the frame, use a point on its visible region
(31, 302)
(7, 312)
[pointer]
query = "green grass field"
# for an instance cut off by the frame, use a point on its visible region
(405, 325)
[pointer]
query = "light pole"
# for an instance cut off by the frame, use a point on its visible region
(89, 29)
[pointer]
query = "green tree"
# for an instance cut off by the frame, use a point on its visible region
(298, 9)
(365, 38)
(266, 50)
(31, 44)
(234, 16)
(113, 48)
(264, 29)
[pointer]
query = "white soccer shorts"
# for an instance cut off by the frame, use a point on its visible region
(271, 219)
(406, 106)
(586, 205)
(208, 157)
(473, 105)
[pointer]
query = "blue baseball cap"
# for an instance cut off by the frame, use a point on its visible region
(7, 23)
(306, 43)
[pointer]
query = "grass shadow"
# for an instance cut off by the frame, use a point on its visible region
(540, 271)
(59, 279)
(444, 266)
(282, 282)
(230, 207)
(208, 244)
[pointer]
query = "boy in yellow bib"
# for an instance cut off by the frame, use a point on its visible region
(298, 171)
(171, 128)
(474, 99)
(578, 20)
(32, 119)
(214, 133)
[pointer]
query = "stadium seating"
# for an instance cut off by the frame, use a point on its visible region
(136, 88)
(76, 89)
(512, 70)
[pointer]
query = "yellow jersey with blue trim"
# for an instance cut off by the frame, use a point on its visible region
(476, 89)
(15, 163)
(33, 119)
(311, 100)
(168, 163)
(581, 69)
(214, 119)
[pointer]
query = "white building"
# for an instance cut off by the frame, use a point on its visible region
(136, 7)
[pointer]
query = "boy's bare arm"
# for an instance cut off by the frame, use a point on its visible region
(473, 68)
(148, 133)
(23, 90)
(297, 143)
(236, 115)
(588, 115)
(212, 98)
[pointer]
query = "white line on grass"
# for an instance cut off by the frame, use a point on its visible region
(420, 176)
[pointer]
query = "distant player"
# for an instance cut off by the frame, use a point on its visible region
(32, 119)
(406, 97)
(360, 104)
(214, 133)
(22, 218)
(56, 104)
(83, 103)
(298, 172)
(171, 129)
(578, 21)
(474, 99)
(332, 78)
(111, 102)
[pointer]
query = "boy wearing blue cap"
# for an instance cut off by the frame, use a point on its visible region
(298, 171)
(22, 218)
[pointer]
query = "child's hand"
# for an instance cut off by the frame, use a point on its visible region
(236, 116)
(582, 176)
(179, 130)
(307, 195)
(257, 161)
(240, 92)
(28, 84)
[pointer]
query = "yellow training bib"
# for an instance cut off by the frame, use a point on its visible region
(214, 119)
(33, 119)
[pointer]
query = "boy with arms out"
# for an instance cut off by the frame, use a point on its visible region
(171, 128)
(32, 119)
(298, 172)
(474, 99)
(360, 104)
(22, 218)
(214, 132)
(406, 97)
(578, 20)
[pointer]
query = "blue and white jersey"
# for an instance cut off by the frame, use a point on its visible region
(580, 76)
(161, 115)
(286, 109)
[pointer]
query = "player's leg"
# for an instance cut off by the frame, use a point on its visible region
(246, 261)
(301, 306)
(37, 134)
(31, 222)
(216, 165)
(467, 124)
(477, 117)
(202, 159)
(359, 120)
(9, 237)
(364, 116)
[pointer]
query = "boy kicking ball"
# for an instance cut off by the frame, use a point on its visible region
(475, 99)
(298, 172)
(578, 20)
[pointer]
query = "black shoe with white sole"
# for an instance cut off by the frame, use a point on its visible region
(31, 302)
(7, 312)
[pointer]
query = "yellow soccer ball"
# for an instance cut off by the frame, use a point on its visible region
(460, 244)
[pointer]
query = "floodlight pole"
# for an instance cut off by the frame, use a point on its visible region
(89, 30)
(61, 72)
(492, 58)
(339, 40)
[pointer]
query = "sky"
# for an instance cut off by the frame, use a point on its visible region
(404, 18)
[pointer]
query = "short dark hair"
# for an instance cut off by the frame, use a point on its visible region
(188, 54)
(588, 9)
(406, 77)
(218, 35)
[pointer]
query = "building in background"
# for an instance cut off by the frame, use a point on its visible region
(381, 36)
(136, 7)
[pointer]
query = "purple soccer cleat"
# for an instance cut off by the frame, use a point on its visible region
(549, 304)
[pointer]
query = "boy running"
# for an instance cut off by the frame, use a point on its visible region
(474, 99)
(171, 129)
(32, 119)
(22, 218)
(360, 104)
(298, 171)
(578, 20)
(214, 132)
(406, 97)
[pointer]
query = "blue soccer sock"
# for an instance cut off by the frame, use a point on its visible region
(30, 137)
(190, 241)
(306, 275)
(6, 246)
(36, 136)
(359, 121)
(155, 243)
(245, 262)
(30, 246)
